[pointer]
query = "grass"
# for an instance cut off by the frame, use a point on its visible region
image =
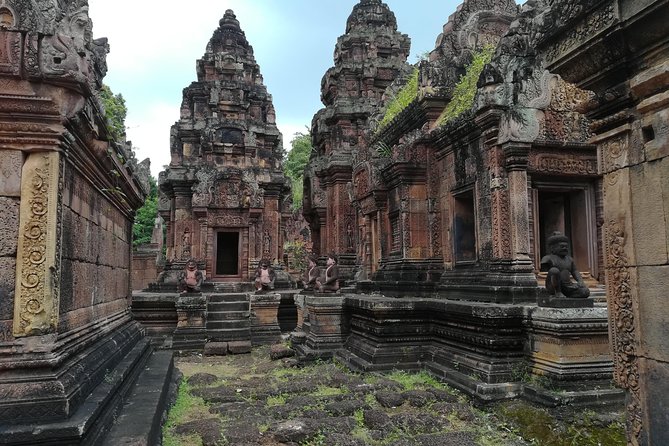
(186, 408)
(278, 400)
(417, 380)
(538, 426)
(402, 99)
(326, 391)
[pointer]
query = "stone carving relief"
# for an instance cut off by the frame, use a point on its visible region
(589, 27)
(621, 315)
(10, 52)
(37, 286)
(66, 54)
(203, 189)
(563, 164)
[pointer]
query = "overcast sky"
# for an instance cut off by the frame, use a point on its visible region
(155, 43)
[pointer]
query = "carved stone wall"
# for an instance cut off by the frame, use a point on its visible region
(625, 67)
(65, 231)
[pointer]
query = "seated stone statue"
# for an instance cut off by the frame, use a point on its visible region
(331, 283)
(560, 268)
(190, 279)
(264, 277)
(312, 274)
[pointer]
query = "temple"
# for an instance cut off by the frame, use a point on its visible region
(224, 197)
(450, 203)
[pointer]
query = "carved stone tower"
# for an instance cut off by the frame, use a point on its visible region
(224, 191)
(367, 59)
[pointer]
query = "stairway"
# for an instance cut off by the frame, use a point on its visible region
(228, 317)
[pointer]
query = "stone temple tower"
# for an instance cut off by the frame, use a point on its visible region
(224, 192)
(367, 59)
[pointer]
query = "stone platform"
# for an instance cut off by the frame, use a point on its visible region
(490, 351)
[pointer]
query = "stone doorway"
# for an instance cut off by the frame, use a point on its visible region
(570, 210)
(227, 254)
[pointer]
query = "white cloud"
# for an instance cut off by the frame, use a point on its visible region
(149, 132)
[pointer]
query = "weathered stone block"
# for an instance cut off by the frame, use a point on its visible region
(216, 348)
(652, 301)
(564, 302)
(279, 351)
(7, 286)
(648, 213)
(9, 225)
(11, 162)
(239, 347)
(655, 384)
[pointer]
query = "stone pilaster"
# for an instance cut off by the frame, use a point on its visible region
(516, 165)
(38, 256)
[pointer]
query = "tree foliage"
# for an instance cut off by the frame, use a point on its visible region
(294, 165)
(115, 111)
(142, 229)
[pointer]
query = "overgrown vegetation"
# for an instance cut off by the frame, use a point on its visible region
(402, 99)
(294, 164)
(115, 111)
(260, 395)
(415, 380)
(538, 426)
(297, 254)
(186, 408)
(142, 228)
(465, 90)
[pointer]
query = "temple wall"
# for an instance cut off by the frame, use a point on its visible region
(96, 255)
(11, 162)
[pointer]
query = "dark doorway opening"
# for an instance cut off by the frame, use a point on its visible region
(227, 253)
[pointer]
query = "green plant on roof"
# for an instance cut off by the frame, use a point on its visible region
(402, 99)
(465, 90)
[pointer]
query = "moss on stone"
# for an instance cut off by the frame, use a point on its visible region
(465, 90)
(402, 99)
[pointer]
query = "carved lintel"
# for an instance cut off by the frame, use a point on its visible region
(37, 292)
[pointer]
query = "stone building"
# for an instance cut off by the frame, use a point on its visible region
(224, 197)
(565, 130)
(367, 58)
(620, 51)
(454, 194)
(69, 349)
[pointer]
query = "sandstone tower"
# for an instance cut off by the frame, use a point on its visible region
(224, 193)
(367, 58)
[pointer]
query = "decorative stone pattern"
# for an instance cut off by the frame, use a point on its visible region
(225, 174)
(36, 307)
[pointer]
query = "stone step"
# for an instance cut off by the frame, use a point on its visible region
(140, 420)
(229, 325)
(228, 306)
(233, 287)
(227, 315)
(222, 335)
(229, 297)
